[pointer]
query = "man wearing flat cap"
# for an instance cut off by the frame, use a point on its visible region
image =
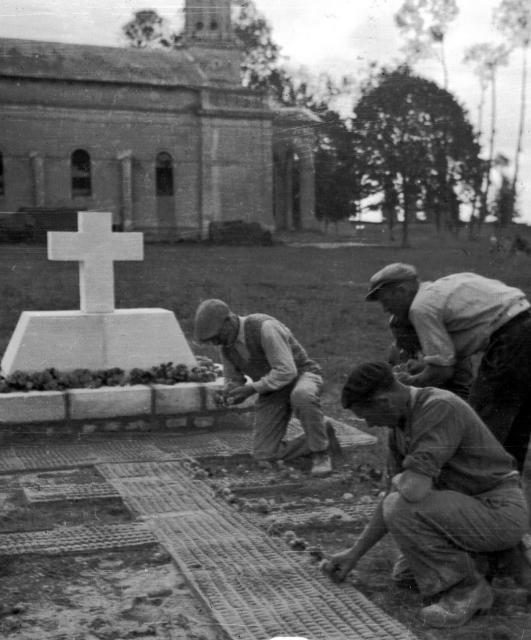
(282, 375)
(455, 493)
(456, 317)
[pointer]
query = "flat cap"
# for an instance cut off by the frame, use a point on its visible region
(364, 380)
(209, 318)
(395, 272)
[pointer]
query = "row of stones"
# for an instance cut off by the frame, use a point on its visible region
(109, 402)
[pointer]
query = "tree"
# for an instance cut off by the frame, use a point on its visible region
(147, 30)
(503, 204)
(338, 187)
(423, 24)
(416, 137)
(486, 58)
(260, 67)
(513, 19)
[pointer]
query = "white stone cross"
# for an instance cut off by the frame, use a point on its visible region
(95, 247)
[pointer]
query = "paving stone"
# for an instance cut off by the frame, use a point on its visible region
(50, 455)
(77, 539)
(61, 492)
(253, 586)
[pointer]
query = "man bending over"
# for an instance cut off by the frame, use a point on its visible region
(456, 493)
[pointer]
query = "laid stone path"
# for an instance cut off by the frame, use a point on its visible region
(254, 586)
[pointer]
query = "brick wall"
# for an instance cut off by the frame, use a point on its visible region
(222, 165)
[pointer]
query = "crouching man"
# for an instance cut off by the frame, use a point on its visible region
(283, 377)
(456, 494)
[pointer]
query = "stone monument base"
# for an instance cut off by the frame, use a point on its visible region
(124, 338)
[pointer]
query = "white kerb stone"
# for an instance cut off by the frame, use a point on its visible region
(95, 247)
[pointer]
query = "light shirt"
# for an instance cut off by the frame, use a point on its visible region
(274, 340)
(455, 316)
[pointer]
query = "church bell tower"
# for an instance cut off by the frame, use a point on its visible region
(209, 38)
(208, 21)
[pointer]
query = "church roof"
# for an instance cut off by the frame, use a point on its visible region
(291, 116)
(59, 61)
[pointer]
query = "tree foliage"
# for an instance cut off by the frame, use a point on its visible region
(260, 66)
(338, 188)
(147, 29)
(502, 207)
(416, 139)
(513, 19)
(485, 59)
(423, 25)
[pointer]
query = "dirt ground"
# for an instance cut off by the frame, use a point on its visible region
(140, 593)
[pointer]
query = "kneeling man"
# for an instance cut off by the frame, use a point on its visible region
(456, 493)
(283, 376)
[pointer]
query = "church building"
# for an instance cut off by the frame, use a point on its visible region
(167, 140)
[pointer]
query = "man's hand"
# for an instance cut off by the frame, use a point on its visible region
(220, 397)
(415, 366)
(338, 566)
(404, 377)
(239, 394)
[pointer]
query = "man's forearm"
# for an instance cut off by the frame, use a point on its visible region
(373, 533)
(430, 376)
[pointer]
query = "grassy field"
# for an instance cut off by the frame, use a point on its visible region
(318, 293)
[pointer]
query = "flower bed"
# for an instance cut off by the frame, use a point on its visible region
(53, 380)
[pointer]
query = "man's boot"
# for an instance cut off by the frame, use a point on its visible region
(457, 605)
(402, 575)
(321, 464)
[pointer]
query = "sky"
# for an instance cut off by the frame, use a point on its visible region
(337, 36)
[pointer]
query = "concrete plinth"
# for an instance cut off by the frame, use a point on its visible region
(67, 340)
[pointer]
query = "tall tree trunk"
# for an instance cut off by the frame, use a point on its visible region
(485, 193)
(409, 200)
(444, 65)
(476, 203)
(523, 104)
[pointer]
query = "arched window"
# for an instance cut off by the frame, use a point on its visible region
(80, 171)
(1, 174)
(164, 174)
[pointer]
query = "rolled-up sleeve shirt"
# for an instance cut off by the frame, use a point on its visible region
(444, 439)
(275, 343)
(455, 316)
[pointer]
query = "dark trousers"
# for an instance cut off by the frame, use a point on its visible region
(501, 392)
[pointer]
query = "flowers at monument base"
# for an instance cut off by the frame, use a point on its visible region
(54, 380)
